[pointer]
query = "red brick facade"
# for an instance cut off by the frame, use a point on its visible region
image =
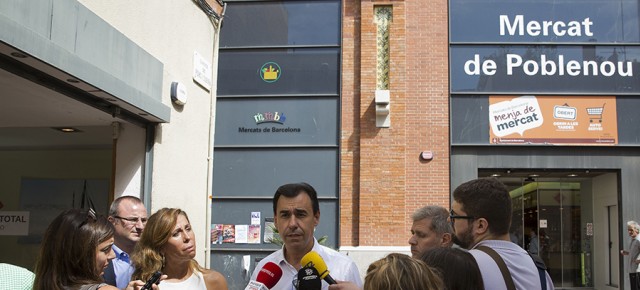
(383, 179)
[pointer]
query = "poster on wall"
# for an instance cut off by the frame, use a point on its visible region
(46, 198)
(553, 120)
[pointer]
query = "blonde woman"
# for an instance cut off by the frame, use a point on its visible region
(168, 245)
(399, 271)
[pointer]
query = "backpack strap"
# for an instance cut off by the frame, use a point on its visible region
(500, 262)
(542, 270)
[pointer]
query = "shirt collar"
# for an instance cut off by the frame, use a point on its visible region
(120, 254)
(279, 256)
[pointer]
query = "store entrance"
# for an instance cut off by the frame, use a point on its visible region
(553, 217)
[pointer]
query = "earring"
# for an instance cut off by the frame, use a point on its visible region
(162, 255)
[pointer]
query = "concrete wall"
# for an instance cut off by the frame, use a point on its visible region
(171, 31)
(605, 189)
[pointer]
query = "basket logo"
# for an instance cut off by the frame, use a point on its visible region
(270, 72)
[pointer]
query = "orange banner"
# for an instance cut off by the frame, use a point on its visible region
(553, 120)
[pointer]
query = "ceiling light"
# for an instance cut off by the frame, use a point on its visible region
(572, 175)
(495, 175)
(534, 175)
(66, 129)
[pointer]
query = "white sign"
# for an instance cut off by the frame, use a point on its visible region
(543, 224)
(201, 71)
(255, 217)
(565, 112)
(14, 223)
(515, 116)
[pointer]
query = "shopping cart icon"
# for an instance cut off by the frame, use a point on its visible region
(595, 113)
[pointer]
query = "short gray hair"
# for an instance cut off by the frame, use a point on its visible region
(113, 210)
(634, 225)
(439, 218)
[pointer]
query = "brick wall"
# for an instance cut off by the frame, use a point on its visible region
(383, 179)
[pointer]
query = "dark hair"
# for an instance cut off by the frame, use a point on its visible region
(486, 198)
(293, 190)
(451, 263)
(68, 250)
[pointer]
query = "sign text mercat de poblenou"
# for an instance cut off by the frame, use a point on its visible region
(547, 66)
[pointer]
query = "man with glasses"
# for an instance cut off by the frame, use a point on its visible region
(481, 217)
(129, 216)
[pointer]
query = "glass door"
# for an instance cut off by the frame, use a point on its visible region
(552, 218)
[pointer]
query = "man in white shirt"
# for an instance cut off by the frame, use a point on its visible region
(481, 218)
(128, 216)
(296, 214)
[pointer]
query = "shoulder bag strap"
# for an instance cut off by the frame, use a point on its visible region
(503, 267)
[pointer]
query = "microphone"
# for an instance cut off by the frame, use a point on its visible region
(313, 259)
(309, 279)
(268, 277)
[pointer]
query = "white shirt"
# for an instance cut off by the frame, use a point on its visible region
(521, 267)
(340, 267)
(194, 282)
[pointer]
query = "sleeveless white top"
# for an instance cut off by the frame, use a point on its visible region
(194, 282)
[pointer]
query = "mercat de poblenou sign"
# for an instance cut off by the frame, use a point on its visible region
(261, 119)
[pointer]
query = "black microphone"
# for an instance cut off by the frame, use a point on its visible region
(309, 279)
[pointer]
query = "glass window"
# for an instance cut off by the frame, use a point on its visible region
(279, 72)
(277, 121)
(281, 23)
(260, 171)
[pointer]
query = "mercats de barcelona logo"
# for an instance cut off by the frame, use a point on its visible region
(269, 117)
(270, 72)
(262, 118)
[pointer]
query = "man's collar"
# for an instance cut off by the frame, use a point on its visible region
(316, 247)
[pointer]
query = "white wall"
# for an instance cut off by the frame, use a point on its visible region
(130, 151)
(171, 31)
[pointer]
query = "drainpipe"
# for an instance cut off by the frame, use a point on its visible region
(216, 20)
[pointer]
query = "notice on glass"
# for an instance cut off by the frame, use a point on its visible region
(242, 234)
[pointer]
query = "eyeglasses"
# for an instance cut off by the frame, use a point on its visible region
(453, 216)
(132, 220)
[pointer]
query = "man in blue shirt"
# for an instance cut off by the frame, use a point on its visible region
(129, 216)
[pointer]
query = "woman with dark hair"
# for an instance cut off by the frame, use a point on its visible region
(75, 250)
(168, 245)
(451, 263)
